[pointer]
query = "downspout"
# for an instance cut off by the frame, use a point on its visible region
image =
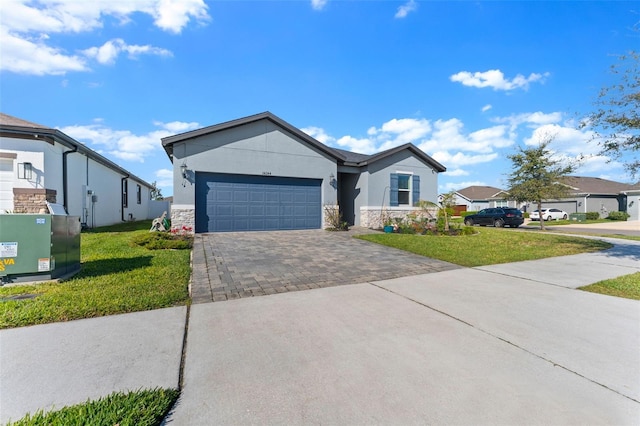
(122, 197)
(65, 180)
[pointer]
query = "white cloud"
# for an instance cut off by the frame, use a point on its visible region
(364, 146)
(486, 107)
(405, 9)
(108, 52)
(164, 178)
(496, 80)
(318, 4)
(319, 134)
(123, 144)
(25, 56)
(24, 37)
(454, 186)
(456, 172)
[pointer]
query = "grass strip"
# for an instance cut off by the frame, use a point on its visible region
(117, 276)
(139, 408)
(489, 246)
(627, 286)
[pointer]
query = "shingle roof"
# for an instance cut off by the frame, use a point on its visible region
(9, 120)
(480, 192)
(594, 185)
(17, 126)
(341, 156)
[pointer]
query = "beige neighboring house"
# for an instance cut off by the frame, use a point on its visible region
(477, 197)
(39, 164)
(586, 194)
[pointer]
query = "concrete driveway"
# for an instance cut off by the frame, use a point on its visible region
(463, 346)
(233, 265)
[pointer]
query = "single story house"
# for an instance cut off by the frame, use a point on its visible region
(586, 194)
(592, 194)
(39, 164)
(262, 173)
(477, 197)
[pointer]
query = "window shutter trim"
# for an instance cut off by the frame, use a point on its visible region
(393, 190)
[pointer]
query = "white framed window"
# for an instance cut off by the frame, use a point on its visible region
(404, 189)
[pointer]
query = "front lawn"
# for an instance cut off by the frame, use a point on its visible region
(489, 246)
(117, 276)
(144, 407)
(627, 286)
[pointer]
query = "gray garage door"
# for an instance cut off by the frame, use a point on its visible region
(256, 203)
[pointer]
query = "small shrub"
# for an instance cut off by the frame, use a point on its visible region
(163, 241)
(593, 215)
(618, 216)
(467, 213)
(333, 217)
(526, 215)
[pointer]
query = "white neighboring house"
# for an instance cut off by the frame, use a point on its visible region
(40, 164)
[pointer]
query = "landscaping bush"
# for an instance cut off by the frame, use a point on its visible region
(163, 241)
(593, 215)
(525, 215)
(467, 213)
(618, 216)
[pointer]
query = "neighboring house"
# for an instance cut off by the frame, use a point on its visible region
(261, 173)
(476, 198)
(586, 194)
(590, 194)
(39, 164)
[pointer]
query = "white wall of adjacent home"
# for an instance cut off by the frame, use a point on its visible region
(85, 178)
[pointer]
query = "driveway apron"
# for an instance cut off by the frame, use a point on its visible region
(233, 265)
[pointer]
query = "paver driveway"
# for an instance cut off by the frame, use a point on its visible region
(232, 265)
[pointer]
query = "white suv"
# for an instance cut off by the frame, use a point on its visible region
(549, 214)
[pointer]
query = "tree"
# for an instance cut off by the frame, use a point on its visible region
(616, 121)
(537, 176)
(156, 193)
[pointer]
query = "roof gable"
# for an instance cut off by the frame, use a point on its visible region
(481, 192)
(168, 141)
(341, 156)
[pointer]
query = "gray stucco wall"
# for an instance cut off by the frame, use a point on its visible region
(371, 187)
(380, 171)
(258, 148)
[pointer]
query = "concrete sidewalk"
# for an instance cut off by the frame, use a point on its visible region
(466, 346)
(501, 344)
(53, 365)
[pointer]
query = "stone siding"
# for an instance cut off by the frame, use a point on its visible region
(32, 200)
(374, 217)
(183, 218)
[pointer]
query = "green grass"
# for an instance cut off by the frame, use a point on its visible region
(141, 408)
(117, 276)
(489, 246)
(627, 286)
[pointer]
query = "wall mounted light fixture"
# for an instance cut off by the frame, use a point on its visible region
(183, 169)
(25, 171)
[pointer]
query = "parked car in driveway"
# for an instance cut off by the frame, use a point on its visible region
(498, 217)
(549, 214)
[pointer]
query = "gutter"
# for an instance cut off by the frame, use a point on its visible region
(65, 179)
(121, 196)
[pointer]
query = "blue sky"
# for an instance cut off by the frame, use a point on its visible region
(466, 81)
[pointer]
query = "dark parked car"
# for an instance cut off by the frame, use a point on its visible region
(497, 217)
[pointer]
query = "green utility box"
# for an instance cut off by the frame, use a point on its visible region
(38, 247)
(578, 217)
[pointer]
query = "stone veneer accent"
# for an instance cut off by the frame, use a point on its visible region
(373, 217)
(183, 218)
(27, 200)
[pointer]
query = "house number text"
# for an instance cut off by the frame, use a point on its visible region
(266, 173)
